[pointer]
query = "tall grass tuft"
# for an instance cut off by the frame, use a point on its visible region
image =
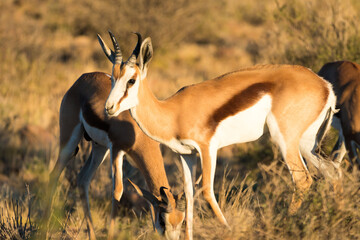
(15, 217)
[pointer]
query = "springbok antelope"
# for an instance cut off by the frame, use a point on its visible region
(345, 78)
(232, 108)
(82, 114)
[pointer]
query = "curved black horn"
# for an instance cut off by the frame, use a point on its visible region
(108, 52)
(118, 54)
(135, 53)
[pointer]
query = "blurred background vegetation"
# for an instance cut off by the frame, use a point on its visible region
(45, 45)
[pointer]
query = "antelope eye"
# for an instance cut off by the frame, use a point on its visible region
(131, 82)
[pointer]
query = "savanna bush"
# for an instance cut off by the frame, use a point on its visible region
(311, 33)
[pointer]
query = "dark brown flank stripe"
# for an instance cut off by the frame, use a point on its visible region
(240, 102)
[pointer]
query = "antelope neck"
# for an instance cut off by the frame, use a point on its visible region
(152, 115)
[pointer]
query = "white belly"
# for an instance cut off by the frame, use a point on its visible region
(183, 146)
(97, 135)
(245, 126)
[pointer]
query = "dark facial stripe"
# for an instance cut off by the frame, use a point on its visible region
(125, 95)
(240, 102)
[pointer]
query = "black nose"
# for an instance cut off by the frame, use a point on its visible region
(109, 108)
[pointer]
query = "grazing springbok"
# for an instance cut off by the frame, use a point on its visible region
(345, 78)
(82, 114)
(233, 108)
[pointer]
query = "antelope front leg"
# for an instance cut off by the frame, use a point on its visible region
(208, 156)
(116, 176)
(188, 162)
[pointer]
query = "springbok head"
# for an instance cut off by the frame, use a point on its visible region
(126, 76)
(169, 211)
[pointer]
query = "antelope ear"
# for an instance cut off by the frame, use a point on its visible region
(163, 195)
(145, 194)
(181, 202)
(146, 53)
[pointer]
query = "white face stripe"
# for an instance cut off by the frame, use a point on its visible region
(168, 230)
(121, 96)
(171, 232)
(117, 92)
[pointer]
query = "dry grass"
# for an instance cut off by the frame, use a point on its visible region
(311, 33)
(255, 209)
(46, 45)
